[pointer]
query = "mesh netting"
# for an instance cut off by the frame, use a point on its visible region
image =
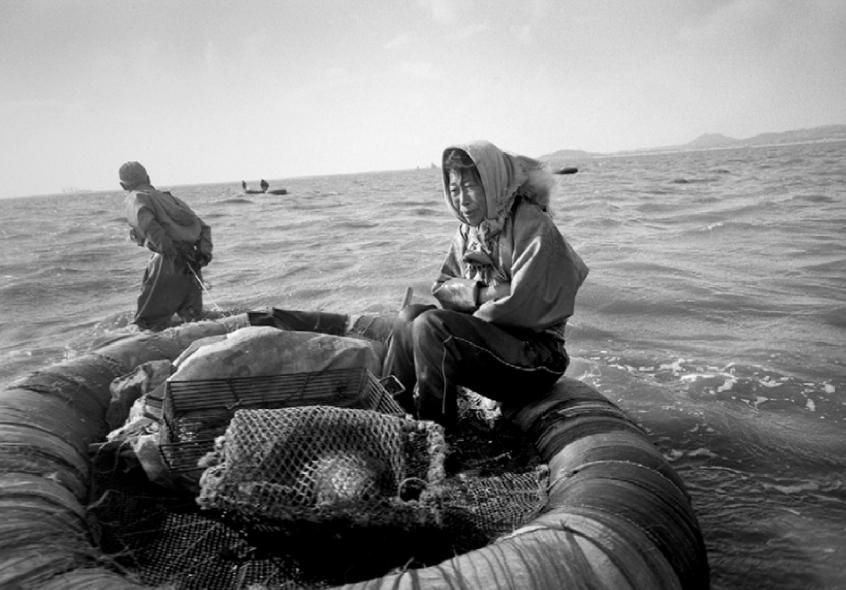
(313, 497)
(320, 463)
(197, 411)
(160, 540)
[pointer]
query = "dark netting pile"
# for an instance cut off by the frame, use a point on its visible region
(316, 495)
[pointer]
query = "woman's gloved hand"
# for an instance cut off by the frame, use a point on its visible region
(493, 292)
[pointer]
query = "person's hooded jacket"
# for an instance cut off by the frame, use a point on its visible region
(517, 249)
(166, 225)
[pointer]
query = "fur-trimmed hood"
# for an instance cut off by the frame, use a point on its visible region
(504, 177)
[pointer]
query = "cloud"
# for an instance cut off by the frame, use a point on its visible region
(211, 59)
(522, 33)
(469, 31)
(445, 12)
(401, 40)
(420, 69)
(743, 21)
(538, 12)
(33, 106)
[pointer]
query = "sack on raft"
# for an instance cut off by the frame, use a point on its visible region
(254, 351)
(264, 351)
(126, 389)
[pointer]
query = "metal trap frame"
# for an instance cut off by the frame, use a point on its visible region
(196, 412)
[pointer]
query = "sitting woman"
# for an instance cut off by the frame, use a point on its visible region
(506, 289)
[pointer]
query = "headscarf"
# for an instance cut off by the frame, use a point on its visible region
(505, 177)
(132, 175)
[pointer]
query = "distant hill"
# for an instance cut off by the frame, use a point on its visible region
(568, 155)
(566, 158)
(712, 141)
(716, 140)
(827, 132)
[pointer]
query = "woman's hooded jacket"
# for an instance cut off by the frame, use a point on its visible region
(517, 249)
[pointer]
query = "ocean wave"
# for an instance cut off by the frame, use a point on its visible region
(724, 226)
(24, 293)
(833, 487)
(426, 212)
(657, 190)
(353, 224)
(310, 205)
(660, 207)
(694, 180)
(600, 223)
(814, 198)
(235, 201)
(648, 310)
(756, 387)
(415, 203)
(835, 317)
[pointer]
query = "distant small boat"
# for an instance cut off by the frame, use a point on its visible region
(265, 189)
(567, 170)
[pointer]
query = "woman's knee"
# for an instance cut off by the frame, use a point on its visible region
(431, 324)
(410, 312)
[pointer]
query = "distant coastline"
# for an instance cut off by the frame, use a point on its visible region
(711, 141)
(573, 157)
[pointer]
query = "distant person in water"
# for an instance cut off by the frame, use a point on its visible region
(264, 186)
(181, 244)
(243, 185)
(506, 288)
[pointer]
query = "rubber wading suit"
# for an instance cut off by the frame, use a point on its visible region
(506, 289)
(181, 244)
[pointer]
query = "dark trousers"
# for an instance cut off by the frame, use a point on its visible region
(440, 350)
(168, 287)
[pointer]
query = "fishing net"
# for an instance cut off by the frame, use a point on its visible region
(322, 463)
(314, 496)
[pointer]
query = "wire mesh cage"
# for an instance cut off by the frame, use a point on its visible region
(195, 412)
(322, 463)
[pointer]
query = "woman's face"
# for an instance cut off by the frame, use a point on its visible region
(467, 195)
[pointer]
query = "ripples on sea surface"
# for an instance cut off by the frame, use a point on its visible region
(714, 313)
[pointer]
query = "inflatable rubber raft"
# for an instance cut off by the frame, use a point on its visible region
(616, 515)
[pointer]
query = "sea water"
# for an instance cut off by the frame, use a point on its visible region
(714, 312)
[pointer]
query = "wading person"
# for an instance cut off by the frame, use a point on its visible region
(506, 288)
(181, 244)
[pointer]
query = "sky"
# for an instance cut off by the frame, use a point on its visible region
(206, 91)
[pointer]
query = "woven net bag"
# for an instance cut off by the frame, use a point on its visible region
(322, 463)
